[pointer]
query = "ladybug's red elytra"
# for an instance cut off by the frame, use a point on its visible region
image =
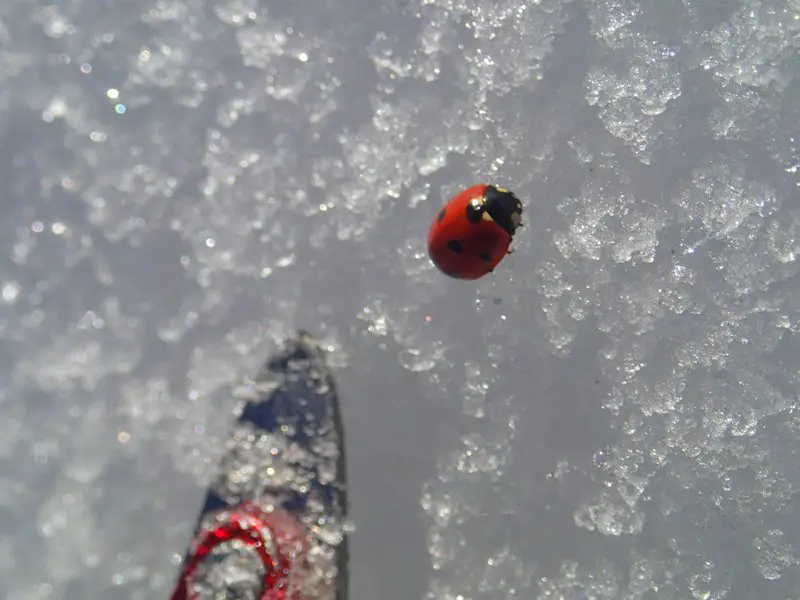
(472, 233)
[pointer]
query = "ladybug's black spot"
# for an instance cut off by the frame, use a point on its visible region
(441, 215)
(485, 257)
(455, 246)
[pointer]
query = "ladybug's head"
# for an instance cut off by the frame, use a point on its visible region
(503, 207)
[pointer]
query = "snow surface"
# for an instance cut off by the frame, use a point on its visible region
(611, 415)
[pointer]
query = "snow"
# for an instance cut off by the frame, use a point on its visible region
(612, 414)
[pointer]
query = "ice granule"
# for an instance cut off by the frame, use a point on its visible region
(474, 392)
(239, 12)
(575, 582)
(508, 572)
(631, 98)
(609, 516)
(609, 17)
(445, 546)
(608, 222)
(651, 577)
(773, 555)
(722, 198)
(752, 57)
(707, 585)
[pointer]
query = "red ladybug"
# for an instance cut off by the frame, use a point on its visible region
(473, 232)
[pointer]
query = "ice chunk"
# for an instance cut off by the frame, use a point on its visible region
(574, 582)
(773, 555)
(609, 516)
(631, 98)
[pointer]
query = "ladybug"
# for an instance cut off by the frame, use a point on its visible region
(473, 232)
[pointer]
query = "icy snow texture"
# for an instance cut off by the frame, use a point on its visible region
(611, 415)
